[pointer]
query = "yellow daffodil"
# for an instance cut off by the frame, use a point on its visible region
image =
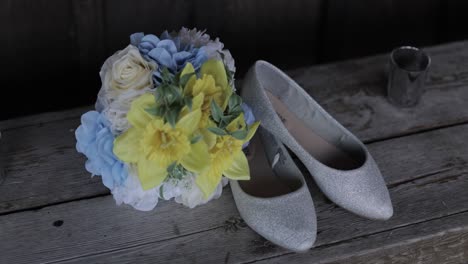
(213, 84)
(226, 157)
(152, 144)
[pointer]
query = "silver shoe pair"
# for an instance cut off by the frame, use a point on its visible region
(276, 202)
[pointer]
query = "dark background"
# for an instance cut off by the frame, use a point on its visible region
(51, 50)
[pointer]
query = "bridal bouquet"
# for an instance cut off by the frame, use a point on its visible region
(168, 123)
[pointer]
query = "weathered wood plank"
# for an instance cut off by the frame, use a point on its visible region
(354, 93)
(43, 118)
(432, 198)
(96, 231)
(441, 241)
(42, 167)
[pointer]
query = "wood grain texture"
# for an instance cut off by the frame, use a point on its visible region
(354, 92)
(96, 231)
(442, 241)
(43, 118)
(42, 167)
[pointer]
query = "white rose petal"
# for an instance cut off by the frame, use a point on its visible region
(124, 76)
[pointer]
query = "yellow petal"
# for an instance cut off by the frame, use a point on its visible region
(208, 137)
(252, 129)
(197, 102)
(239, 169)
(150, 173)
(227, 92)
(236, 124)
(198, 160)
(208, 181)
(189, 123)
(188, 69)
(126, 145)
(137, 116)
(216, 69)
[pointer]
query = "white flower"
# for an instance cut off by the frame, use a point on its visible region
(192, 196)
(212, 47)
(193, 36)
(183, 191)
(132, 194)
(124, 76)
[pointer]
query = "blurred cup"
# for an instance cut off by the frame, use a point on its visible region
(408, 70)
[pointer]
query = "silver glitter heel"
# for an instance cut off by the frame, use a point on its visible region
(339, 162)
(276, 202)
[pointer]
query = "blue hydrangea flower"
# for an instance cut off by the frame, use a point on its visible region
(248, 117)
(248, 114)
(168, 52)
(95, 140)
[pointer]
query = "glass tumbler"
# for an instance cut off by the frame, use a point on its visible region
(407, 74)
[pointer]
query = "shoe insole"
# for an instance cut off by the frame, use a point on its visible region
(317, 146)
(263, 180)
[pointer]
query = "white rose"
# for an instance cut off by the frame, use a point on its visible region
(124, 76)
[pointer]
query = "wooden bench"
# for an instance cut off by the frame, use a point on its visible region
(51, 211)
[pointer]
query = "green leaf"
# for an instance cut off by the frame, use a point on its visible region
(161, 192)
(158, 94)
(236, 110)
(216, 111)
(166, 76)
(234, 102)
(184, 79)
(176, 90)
(171, 167)
(188, 102)
(218, 131)
(195, 139)
(171, 116)
(176, 171)
(170, 97)
(225, 120)
(239, 134)
(152, 111)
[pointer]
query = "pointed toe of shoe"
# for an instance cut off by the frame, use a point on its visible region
(288, 221)
(304, 242)
(362, 191)
(375, 206)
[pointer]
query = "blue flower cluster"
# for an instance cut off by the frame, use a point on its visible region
(168, 52)
(96, 142)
